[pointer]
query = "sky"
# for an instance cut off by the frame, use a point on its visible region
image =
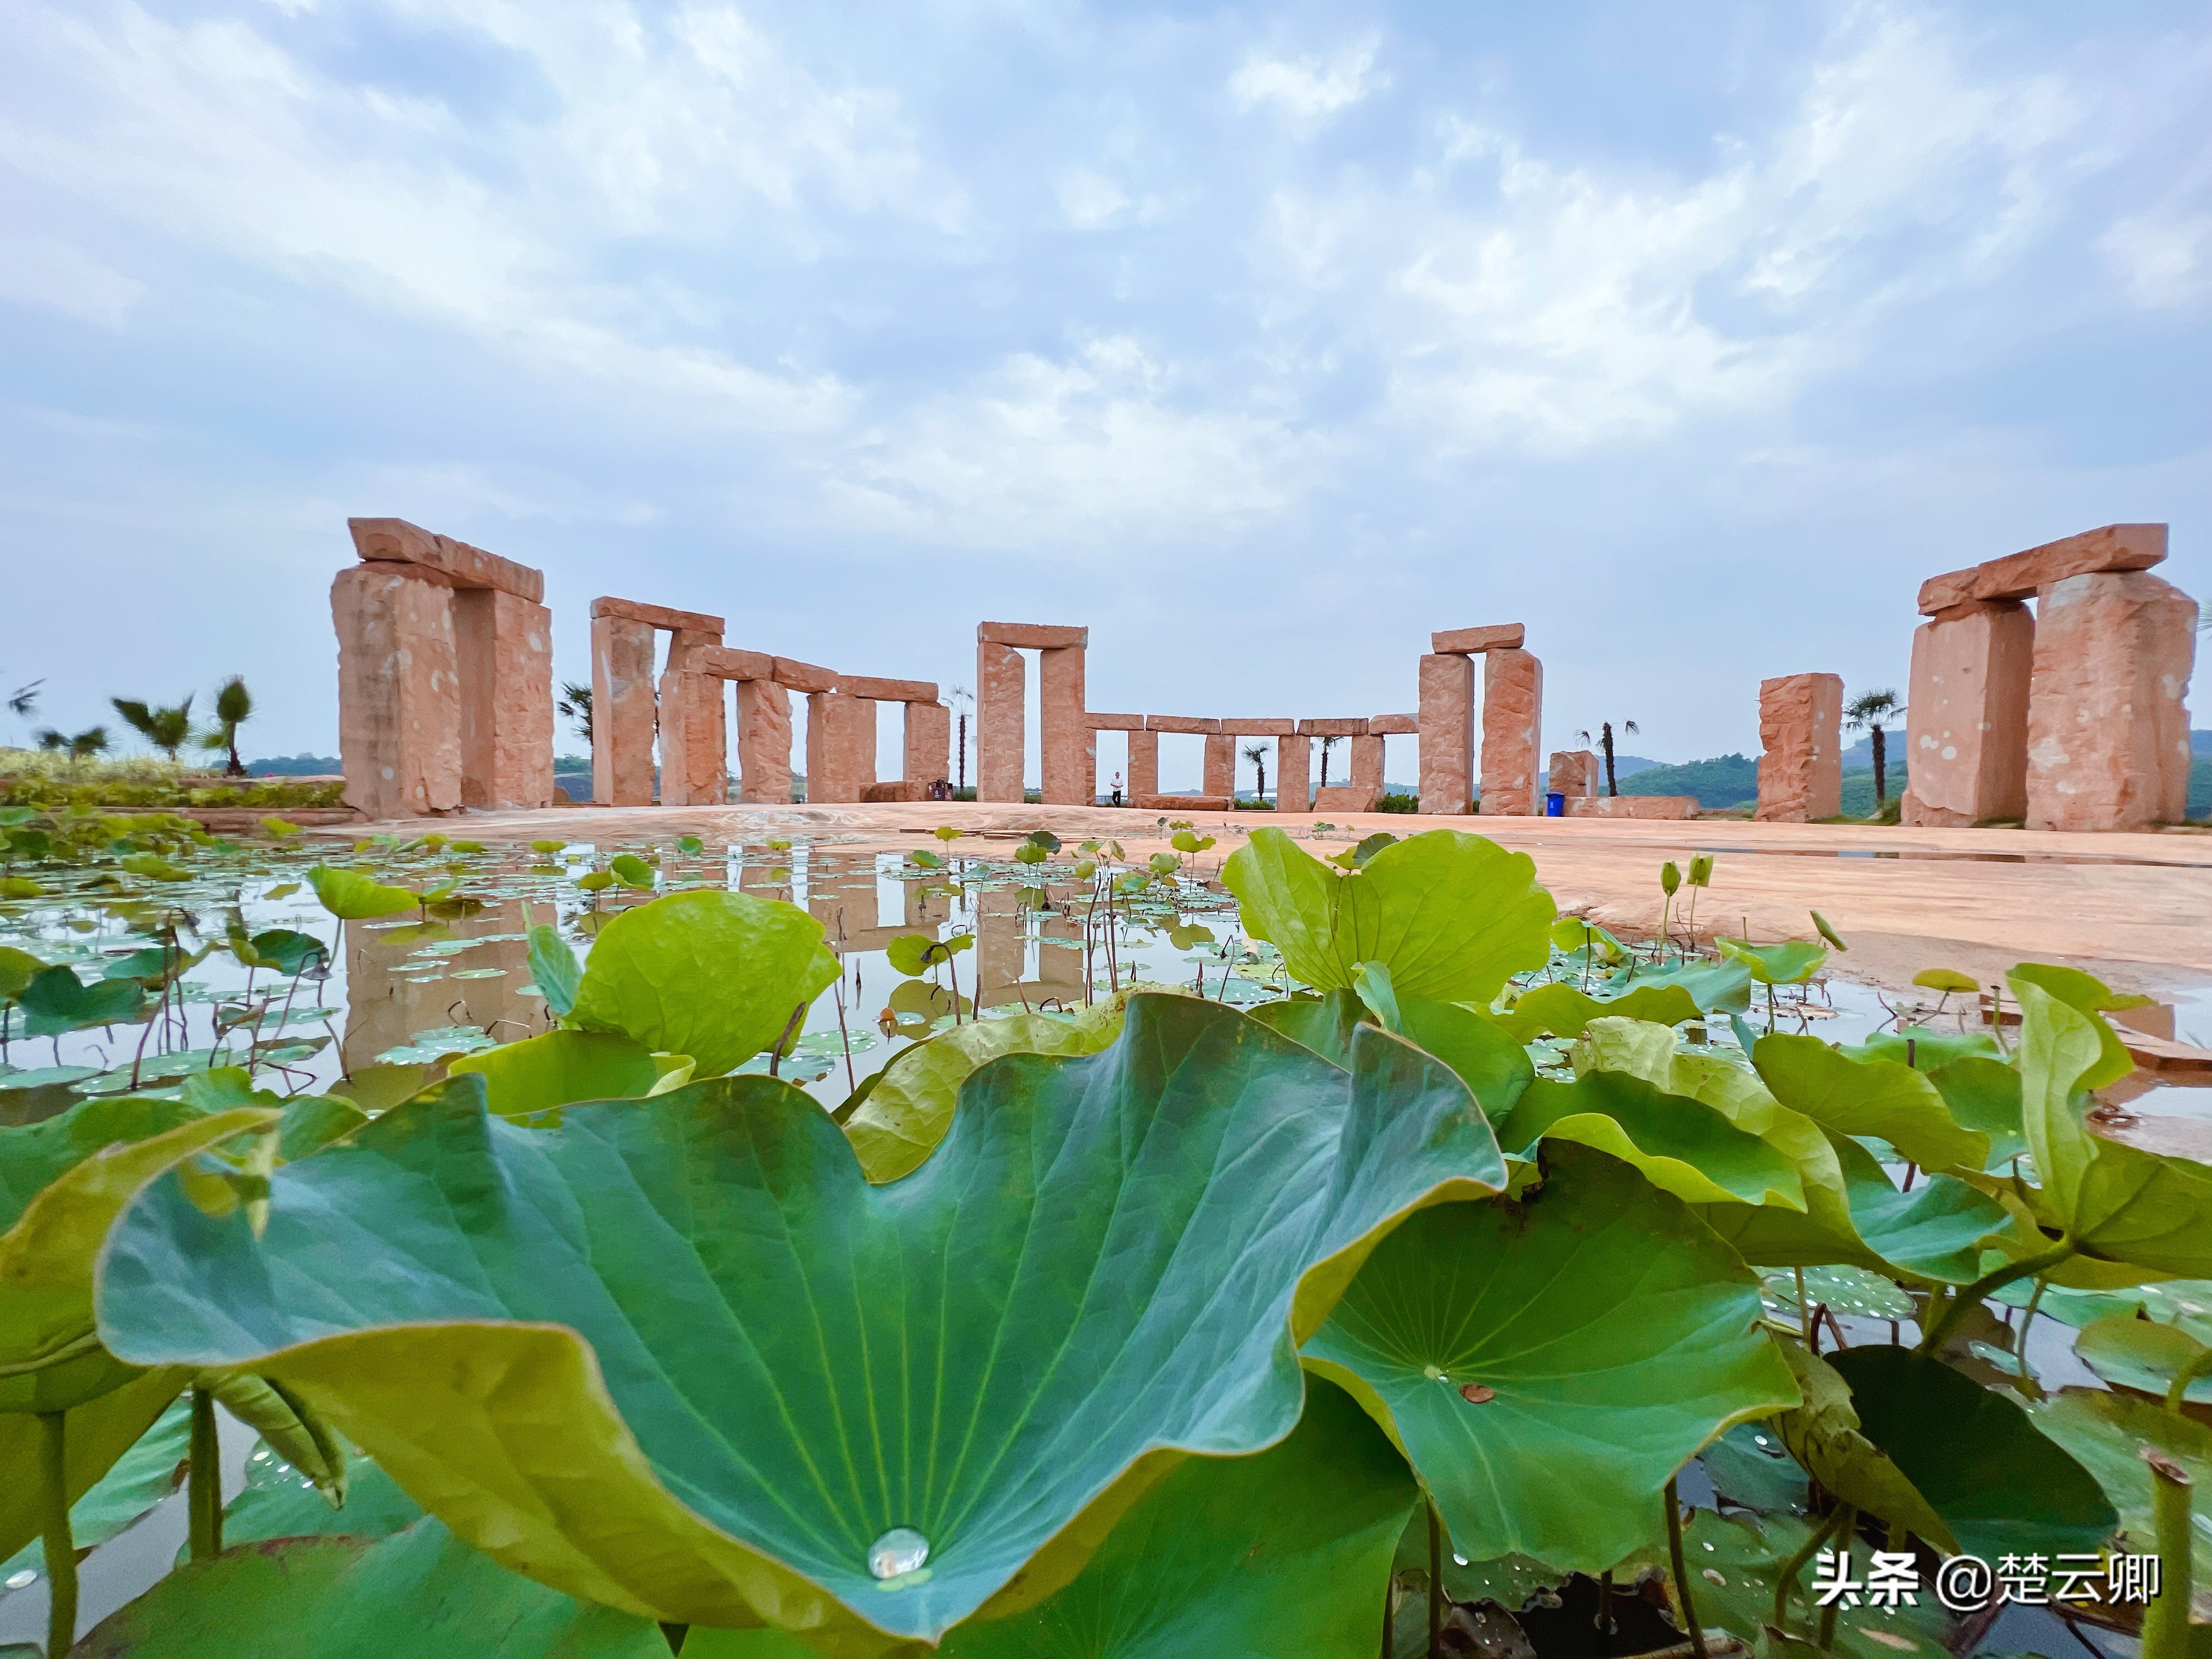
(1263, 340)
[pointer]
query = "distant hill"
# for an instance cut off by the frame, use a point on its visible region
(2200, 742)
(1724, 781)
(296, 766)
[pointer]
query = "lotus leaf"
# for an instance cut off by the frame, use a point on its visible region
(1679, 1145)
(1984, 1095)
(554, 968)
(906, 1115)
(2106, 1434)
(1750, 1467)
(1561, 1010)
(1792, 961)
(1715, 986)
(1324, 1024)
(57, 1000)
(141, 1478)
(1496, 1068)
(154, 868)
(1950, 981)
(913, 954)
(95, 1435)
(631, 871)
(351, 896)
(709, 973)
(17, 969)
(279, 1502)
(541, 1072)
(1574, 934)
(34, 1154)
(1871, 1097)
(1166, 1217)
(1825, 1437)
(287, 949)
(1916, 1045)
(2001, 1485)
(2137, 1353)
(1735, 1560)
(1453, 916)
(1608, 1333)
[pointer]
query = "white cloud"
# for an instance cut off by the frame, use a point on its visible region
(1090, 200)
(2164, 258)
(57, 276)
(1311, 88)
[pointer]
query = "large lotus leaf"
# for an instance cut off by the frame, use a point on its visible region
(352, 896)
(1683, 1146)
(2085, 993)
(93, 1436)
(1872, 1097)
(710, 973)
(1983, 1094)
(906, 1115)
(1792, 961)
(1323, 1024)
(2107, 1434)
(279, 1502)
(1717, 987)
(34, 1154)
(2137, 1353)
(1735, 1561)
(57, 1000)
(2116, 1203)
(422, 1593)
(1824, 1435)
(541, 1072)
(680, 1356)
(1975, 1455)
(554, 968)
(1563, 1010)
(152, 1469)
(1547, 1366)
(1453, 916)
(1929, 1050)
(1493, 1063)
(50, 1358)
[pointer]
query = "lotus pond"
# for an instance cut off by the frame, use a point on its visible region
(783, 1249)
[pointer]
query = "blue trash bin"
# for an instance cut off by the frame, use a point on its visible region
(1555, 805)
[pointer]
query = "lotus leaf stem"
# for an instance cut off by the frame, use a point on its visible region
(204, 1485)
(54, 1530)
(1955, 1309)
(2027, 1322)
(1805, 1326)
(1681, 1572)
(1827, 1637)
(2165, 1620)
(1796, 1564)
(2188, 1373)
(1437, 1581)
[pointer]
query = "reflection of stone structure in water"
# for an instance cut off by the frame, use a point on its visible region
(386, 1005)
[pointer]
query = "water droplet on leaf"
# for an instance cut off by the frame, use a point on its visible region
(900, 1551)
(18, 1580)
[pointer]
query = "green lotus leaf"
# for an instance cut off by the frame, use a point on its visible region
(279, 1502)
(1734, 1562)
(1563, 1011)
(1982, 1093)
(1323, 1024)
(94, 1435)
(57, 1000)
(34, 1154)
(1496, 1068)
(2116, 1203)
(2107, 1434)
(1792, 961)
(541, 1072)
(149, 1472)
(17, 969)
(1577, 935)
(706, 973)
(905, 1115)
(285, 1423)
(49, 1358)
(1107, 1263)
(311, 1122)
(422, 1593)
(1608, 1334)
(554, 968)
(2137, 1353)
(1453, 916)
(351, 896)
(1825, 1436)
(631, 872)
(1716, 988)
(287, 949)
(1686, 1147)
(1751, 1467)
(1917, 1046)
(1974, 1454)
(1872, 1097)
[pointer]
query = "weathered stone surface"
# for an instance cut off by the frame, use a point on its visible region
(1512, 731)
(1574, 772)
(1293, 774)
(1800, 737)
(623, 715)
(399, 713)
(895, 789)
(1495, 636)
(763, 744)
(1259, 726)
(841, 746)
(1220, 775)
(1447, 718)
(503, 649)
(1001, 721)
(1631, 806)
(1393, 725)
(1186, 723)
(694, 740)
(2022, 575)
(806, 676)
(1032, 636)
(1183, 802)
(2107, 731)
(1063, 741)
(658, 616)
(880, 690)
(1367, 764)
(1143, 765)
(1965, 733)
(928, 745)
(1098, 722)
(1341, 798)
(1346, 727)
(396, 540)
(728, 663)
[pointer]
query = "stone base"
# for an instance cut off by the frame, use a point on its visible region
(1631, 806)
(896, 789)
(1346, 798)
(1183, 802)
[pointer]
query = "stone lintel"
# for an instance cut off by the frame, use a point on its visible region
(658, 616)
(803, 677)
(1183, 802)
(1966, 608)
(1259, 729)
(1098, 722)
(1032, 636)
(1333, 728)
(397, 541)
(1474, 641)
(1393, 725)
(882, 690)
(1180, 723)
(726, 662)
(2021, 576)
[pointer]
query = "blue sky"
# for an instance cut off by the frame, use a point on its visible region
(1263, 340)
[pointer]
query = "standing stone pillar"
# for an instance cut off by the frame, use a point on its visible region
(1573, 773)
(1367, 764)
(2107, 734)
(929, 741)
(399, 722)
(1801, 739)
(1143, 765)
(622, 712)
(1220, 775)
(1000, 720)
(839, 765)
(1293, 774)
(1447, 717)
(1965, 730)
(503, 648)
(763, 744)
(694, 740)
(1066, 750)
(1512, 731)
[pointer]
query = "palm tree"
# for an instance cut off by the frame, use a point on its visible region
(575, 704)
(168, 729)
(233, 707)
(1327, 744)
(1867, 713)
(1257, 754)
(24, 699)
(963, 699)
(1605, 728)
(83, 745)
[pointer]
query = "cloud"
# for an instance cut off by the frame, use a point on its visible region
(1311, 88)
(2164, 258)
(56, 276)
